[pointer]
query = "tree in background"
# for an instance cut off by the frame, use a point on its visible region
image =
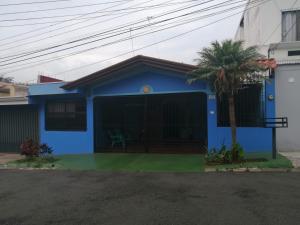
(6, 79)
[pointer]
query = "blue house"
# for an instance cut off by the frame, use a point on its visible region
(145, 104)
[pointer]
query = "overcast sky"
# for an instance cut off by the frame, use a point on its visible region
(104, 17)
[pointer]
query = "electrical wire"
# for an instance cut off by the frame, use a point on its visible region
(49, 26)
(62, 33)
(150, 32)
(32, 3)
(80, 14)
(59, 8)
(110, 13)
(82, 27)
(129, 25)
(144, 47)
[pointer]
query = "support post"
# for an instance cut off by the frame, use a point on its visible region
(146, 125)
(274, 148)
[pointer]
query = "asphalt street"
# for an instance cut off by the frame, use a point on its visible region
(72, 197)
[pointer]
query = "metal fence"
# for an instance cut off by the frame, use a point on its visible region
(249, 107)
(16, 124)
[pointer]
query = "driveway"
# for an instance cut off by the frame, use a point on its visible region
(294, 157)
(64, 197)
(7, 157)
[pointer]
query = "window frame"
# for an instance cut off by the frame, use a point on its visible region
(296, 26)
(246, 122)
(80, 128)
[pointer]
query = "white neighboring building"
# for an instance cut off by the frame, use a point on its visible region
(13, 94)
(274, 27)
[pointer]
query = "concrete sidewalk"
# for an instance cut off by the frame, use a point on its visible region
(7, 157)
(294, 157)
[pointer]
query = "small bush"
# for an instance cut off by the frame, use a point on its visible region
(31, 148)
(224, 155)
(239, 151)
(45, 150)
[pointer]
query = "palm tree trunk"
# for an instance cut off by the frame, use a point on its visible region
(232, 121)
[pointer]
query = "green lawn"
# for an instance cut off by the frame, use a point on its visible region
(133, 162)
(280, 162)
(144, 162)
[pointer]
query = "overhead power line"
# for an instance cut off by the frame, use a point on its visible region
(49, 26)
(81, 14)
(144, 47)
(82, 27)
(59, 8)
(31, 3)
(124, 28)
(182, 22)
(105, 44)
(108, 13)
(62, 33)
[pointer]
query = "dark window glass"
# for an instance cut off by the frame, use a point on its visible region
(294, 53)
(248, 107)
(66, 115)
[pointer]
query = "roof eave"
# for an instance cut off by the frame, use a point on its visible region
(149, 61)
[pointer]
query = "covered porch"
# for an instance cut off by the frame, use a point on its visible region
(156, 123)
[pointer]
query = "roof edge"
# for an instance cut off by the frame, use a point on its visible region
(104, 73)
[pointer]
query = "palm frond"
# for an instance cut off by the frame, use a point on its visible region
(238, 66)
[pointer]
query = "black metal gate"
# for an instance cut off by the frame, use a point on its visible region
(159, 123)
(16, 124)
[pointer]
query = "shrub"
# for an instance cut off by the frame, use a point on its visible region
(239, 151)
(45, 150)
(31, 148)
(224, 155)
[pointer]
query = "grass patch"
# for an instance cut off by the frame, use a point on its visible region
(133, 162)
(146, 162)
(34, 162)
(259, 160)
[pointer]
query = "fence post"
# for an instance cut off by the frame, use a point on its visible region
(274, 148)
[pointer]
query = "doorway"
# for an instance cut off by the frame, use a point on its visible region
(162, 123)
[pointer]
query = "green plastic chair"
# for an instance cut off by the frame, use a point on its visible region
(117, 138)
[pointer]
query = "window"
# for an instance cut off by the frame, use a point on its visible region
(248, 107)
(291, 26)
(294, 53)
(66, 115)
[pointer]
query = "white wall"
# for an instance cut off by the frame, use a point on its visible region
(288, 104)
(262, 24)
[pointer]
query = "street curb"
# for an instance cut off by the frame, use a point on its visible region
(252, 170)
(5, 167)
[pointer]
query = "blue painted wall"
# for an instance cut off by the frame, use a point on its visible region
(159, 81)
(66, 142)
(252, 139)
(50, 89)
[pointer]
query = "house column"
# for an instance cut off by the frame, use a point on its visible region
(90, 123)
(270, 98)
(211, 121)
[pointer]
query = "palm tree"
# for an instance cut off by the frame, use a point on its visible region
(228, 66)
